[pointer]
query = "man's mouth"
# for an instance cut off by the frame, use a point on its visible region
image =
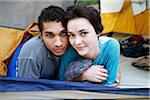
(59, 50)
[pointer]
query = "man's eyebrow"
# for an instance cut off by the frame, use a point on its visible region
(64, 30)
(48, 32)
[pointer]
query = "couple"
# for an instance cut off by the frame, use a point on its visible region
(85, 57)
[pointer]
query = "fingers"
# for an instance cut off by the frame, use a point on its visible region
(103, 75)
(96, 80)
(101, 78)
(100, 68)
(97, 73)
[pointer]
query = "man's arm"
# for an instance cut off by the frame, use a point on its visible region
(92, 72)
(27, 68)
(95, 73)
(83, 70)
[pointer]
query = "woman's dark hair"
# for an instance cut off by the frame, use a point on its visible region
(91, 14)
(51, 13)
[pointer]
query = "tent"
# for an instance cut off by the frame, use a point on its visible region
(118, 16)
(11, 38)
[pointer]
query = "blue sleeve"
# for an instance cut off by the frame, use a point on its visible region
(112, 57)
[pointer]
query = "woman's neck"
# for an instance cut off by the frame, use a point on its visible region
(96, 53)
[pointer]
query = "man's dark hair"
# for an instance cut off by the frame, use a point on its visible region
(91, 14)
(51, 13)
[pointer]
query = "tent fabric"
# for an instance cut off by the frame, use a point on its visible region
(8, 84)
(125, 22)
(109, 6)
(142, 22)
(10, 39)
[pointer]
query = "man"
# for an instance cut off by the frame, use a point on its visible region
(39, 57)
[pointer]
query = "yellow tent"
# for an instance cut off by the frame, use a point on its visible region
(125, 22)
(9, 40)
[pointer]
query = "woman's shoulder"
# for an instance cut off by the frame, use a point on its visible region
(108, 40)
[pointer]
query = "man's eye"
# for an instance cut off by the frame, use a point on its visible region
(63, 34)
(50, 35)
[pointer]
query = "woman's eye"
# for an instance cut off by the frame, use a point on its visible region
(71, 35)
(84, 33)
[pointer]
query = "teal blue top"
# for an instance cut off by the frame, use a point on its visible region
(108, 56)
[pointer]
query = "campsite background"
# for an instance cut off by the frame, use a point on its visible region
(120, 20)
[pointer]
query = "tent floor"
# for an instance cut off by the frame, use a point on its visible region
(66, 94)
(132, 76)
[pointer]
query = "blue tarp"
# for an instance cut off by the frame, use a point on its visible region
(9, 84)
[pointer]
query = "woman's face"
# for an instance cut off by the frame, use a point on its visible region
(83, 37)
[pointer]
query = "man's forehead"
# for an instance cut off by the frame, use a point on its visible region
(53, 26)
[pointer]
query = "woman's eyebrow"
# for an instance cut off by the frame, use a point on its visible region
(82, 30)
(69, 32)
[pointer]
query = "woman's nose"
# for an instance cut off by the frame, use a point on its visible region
(77, 40)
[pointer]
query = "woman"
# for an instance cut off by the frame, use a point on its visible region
(84, 27)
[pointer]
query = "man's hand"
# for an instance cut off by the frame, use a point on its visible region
(95, 73)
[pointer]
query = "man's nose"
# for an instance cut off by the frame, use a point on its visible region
(58, 42)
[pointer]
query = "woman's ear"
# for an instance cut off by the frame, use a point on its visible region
(98, 35)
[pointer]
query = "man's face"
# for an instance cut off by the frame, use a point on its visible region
(55, 37)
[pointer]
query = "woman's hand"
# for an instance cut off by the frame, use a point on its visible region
(95, 73)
